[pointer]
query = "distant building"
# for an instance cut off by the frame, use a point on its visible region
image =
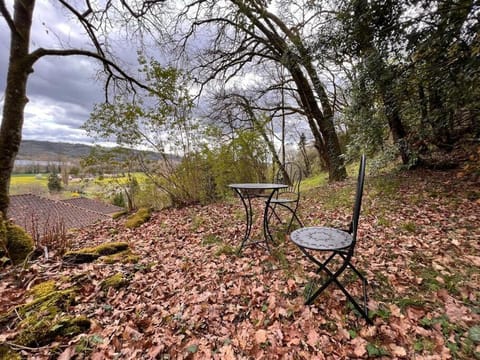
(94, 205)
(39, 215)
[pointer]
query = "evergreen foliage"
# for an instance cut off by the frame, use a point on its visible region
(414, 75)
(54, 183)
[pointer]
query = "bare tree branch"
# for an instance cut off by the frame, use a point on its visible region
(40, 52)
(8, 17)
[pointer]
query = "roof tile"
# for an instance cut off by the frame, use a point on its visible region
(32, 211)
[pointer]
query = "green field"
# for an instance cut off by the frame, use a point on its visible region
(29, 183)
(38, 184)
(22, 179)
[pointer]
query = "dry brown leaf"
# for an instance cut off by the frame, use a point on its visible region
(359, 344)
(67, 353)
(398, 350)
(261, 336)
(313, 338)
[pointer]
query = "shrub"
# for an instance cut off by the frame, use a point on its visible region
(52, 235)
(54, 183)
(118, 200)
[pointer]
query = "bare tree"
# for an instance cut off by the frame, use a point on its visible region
(239, 35)
(95, 22)
(239, 110)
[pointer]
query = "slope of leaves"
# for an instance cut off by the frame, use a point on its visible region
(191, 296)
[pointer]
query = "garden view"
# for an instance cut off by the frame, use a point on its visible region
(199, 95)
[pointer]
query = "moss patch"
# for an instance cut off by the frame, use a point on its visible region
(43, 289)
(14, 242)
(7, 354)
(92, 253)
(116, 281)
(39, 330)
(46, 317)
(119, 214)
(54, 302)
(3, 233)
(124, 257)
(139, 218)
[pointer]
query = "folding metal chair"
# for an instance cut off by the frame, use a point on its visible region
(341, 244)
(287, 198)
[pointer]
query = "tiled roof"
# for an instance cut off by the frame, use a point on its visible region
(29, 209)
(94, 205)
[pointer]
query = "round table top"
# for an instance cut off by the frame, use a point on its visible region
(258, 186)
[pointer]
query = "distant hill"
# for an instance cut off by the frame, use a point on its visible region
(54, 151)
(46, 150)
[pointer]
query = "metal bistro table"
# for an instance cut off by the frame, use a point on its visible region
(248, 191)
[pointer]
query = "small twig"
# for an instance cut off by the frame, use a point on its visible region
(18, 315)
(27, 259)
(21, 347)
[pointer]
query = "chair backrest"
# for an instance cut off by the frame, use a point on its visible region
(291, 175)
(358, 197)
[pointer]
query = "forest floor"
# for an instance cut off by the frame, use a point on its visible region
(190, 295)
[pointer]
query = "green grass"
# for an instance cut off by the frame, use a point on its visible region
(314, 181)
(321, 179)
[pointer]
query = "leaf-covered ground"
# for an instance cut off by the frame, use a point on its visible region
(191, 296)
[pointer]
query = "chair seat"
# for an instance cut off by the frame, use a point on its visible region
(321, 238)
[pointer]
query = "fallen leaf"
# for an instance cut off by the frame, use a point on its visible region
(312, 338)
(67, 354)
(398, 350)
(261, 336)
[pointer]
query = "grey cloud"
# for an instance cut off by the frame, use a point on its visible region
(44, 130)
(66, 79)
(61, 90)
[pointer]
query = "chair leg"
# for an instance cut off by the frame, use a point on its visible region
(294, 216)
(293, 211)
(272, 207)
(362, 310)
(333, 278)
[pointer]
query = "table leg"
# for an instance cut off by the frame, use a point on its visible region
(266, 229)
(247, 204)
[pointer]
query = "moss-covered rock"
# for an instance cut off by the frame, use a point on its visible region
(139, 218)
(92, 253)
(45, 317)
(40, 331)
(116, 281)
(15, 243)
(124, 257)
(119, 214)
(49, 303)
(43, 289)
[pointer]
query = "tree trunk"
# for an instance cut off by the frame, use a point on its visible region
(395, 123)
(323, 130)
(19, 67)
(336, 167)
(303, 151)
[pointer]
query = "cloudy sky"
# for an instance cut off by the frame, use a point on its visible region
(61, 91)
